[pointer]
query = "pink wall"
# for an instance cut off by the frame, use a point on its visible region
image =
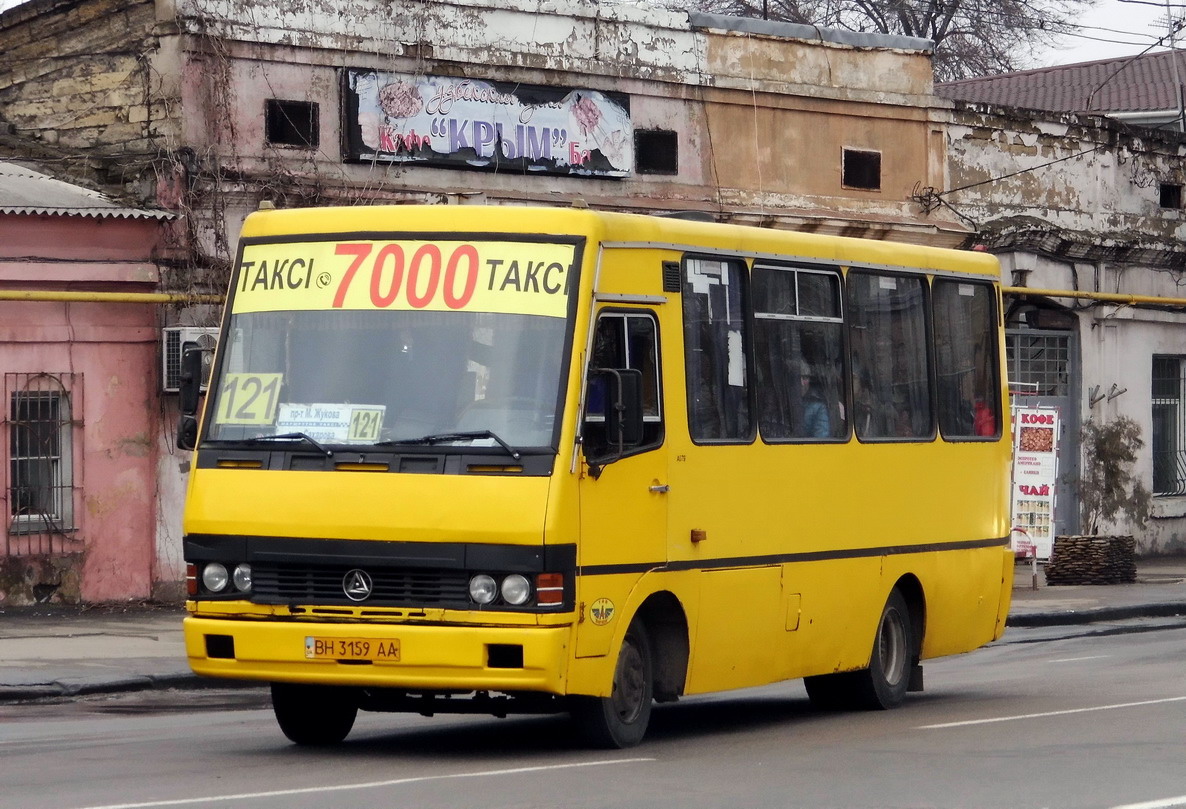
(112, 351)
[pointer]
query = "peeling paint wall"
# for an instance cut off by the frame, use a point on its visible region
(761, 120)
(1068, 171)
(1075, 202)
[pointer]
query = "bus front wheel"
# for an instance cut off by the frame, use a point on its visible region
(620, 720)
(313, 715)
(883, 685)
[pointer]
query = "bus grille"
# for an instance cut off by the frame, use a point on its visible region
(322, 584)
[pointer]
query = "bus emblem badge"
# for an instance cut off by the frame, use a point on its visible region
(357, 585)
(602, 611)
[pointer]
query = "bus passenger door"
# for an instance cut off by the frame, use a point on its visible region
(624, 485)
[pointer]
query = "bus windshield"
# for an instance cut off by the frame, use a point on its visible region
(350, 361)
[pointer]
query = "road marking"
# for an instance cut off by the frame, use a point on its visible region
(1051, 713)
(1164, 803)
(279, 793)
(1077, 659)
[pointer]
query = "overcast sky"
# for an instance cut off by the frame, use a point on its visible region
(1113, 28)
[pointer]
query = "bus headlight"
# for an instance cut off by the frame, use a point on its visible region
(242, 578)
(483, 589)
(214, 577)
(516, 589)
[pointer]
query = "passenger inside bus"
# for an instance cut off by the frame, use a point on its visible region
(816, 421)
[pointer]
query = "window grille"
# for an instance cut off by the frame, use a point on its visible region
(1040, 362)
(40, 460)
(1168, 440)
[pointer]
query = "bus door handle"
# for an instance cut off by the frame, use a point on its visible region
(660, 488)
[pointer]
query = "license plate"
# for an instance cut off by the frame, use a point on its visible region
(378, 651)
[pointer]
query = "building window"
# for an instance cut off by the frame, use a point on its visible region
(861, 169)
(1171, 195)
(41, 469)
(1169, 426)
(714, 346)
(656, 151)
(1039, 364)
(291, 123)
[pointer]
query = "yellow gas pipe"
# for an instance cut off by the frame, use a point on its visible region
(107, 297)
(186, 297)
(1107, 297)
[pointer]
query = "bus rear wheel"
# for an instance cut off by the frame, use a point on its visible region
(883, 685)
(620, 720)
(313, 715)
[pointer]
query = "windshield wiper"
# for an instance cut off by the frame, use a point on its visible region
(438, 438)
(304, 437)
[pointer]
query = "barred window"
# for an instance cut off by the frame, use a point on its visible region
(1169, 430)
(41, 474)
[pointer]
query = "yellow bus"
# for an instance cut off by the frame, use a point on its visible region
(510, 459)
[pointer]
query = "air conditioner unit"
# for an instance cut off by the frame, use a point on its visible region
(174, 341)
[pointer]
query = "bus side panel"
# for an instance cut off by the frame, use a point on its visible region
(841, 601)
(869, 514)
(739, 628)
(592, 674)
(962, 594)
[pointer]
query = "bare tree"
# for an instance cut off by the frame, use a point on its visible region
(972, 37)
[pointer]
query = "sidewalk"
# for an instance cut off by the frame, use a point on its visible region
(54, 651)
(1159, 591)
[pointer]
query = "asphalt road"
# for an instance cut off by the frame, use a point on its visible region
(1082, 722)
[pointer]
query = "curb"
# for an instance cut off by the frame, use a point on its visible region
(1097, 614)
(69, 689)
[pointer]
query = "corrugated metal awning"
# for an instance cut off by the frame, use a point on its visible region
(25, 191)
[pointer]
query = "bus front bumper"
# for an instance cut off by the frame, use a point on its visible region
(402, 656)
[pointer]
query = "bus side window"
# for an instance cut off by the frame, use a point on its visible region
(965, 359)
(798, 354)
(714, 351)
(891, 384)
(624, 340)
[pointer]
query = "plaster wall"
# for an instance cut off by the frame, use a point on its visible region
(1076, 173)
(111, 349)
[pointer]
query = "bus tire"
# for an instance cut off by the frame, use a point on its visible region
(313, 715)
(883, 685)
(885, 682)
(620, 720)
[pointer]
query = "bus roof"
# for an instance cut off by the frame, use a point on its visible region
(616, 229)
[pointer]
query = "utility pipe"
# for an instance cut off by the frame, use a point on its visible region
(1109, 297)
(187, 297)
(107, 297)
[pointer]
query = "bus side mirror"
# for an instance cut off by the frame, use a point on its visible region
(189, 386)
(621, 406)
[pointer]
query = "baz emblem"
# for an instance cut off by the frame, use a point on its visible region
(602, 611)
(357, 585)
